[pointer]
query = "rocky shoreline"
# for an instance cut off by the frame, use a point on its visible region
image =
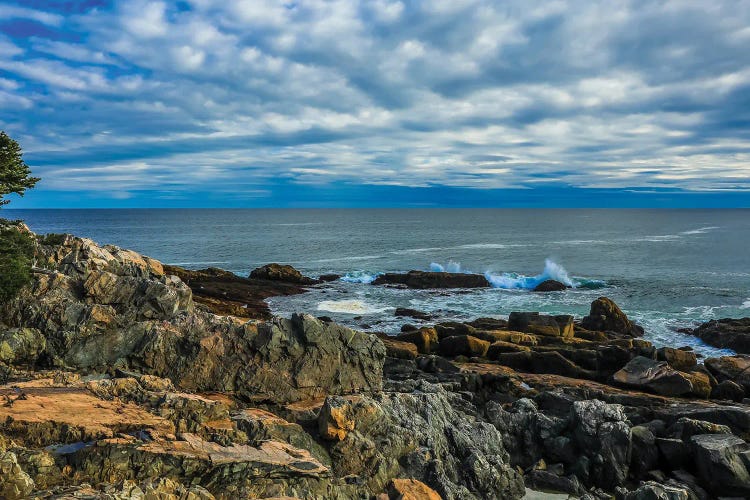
(124, 378)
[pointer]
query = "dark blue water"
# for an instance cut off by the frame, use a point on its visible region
(666, 268)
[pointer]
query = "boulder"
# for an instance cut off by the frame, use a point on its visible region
(606, 316)
(280, 272)
(722, 462)
(657, 376)
(327, 278)
(651, 490)
(15, 484)
(732, 368)
(428, 279)
(336, 418)
(411, 313)
(727, 333)
(550, 286)
(410, 489)
(500, 347)
(399, 349)
(540, 324)
(21, 346)
(463, 345)
(678, 359)
(426, 339)
(728, 391)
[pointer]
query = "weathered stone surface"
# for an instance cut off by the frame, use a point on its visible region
(722, 462)
(550, 286)
(659, 377)
(606, 316)
(280, 272)
(540, 324)
(14, 482)
(426, 339)
(336, 418)
(463, 345)
(732, 368)
(730, 333)
(410, 489)
(21, 346)
(399, 349)
(652, 490)
(434, 437)
(425, 279)
(499, 347)
(728, 390)
(677, 358)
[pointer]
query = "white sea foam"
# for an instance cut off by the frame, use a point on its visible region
(350, 307)
(745, 305)
(700, 230)
(360, 277)
(552, 271)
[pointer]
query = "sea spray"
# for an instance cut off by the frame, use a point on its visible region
(552, 271)
(364, 277)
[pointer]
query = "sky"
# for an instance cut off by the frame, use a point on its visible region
(212, 103)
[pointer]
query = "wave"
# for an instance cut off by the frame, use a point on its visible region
(364, 277)
(700, 230)
(745, 305)
(451, 267)
(350, 307)
(352, 258)
(552, 271)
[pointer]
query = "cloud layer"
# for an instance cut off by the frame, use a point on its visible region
(116, 99)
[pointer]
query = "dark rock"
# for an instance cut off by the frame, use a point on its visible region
(652, 490)
(734, 368)
(411, 313)
(426, 339)
(533, 322)
(499, 347)
(543, 480)
(659, 377)
(728, 333)
(463, 345)
(327, 278)
(488, 324)
(606, 316)
(426, 279)
(677, 358)
(453, 328)
(673, 451)
(550, 286)
(398, 349)
(281, 272)
(729, 391)
(645, 455)
(722, 462)
(685, 428)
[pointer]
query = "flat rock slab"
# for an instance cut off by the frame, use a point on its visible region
(57, 407)
(425, 279)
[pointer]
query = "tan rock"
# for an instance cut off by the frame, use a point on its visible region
(411, 489)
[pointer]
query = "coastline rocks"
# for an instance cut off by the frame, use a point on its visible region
(550, 286)
(463, 345)
(429, 279)
(722, 461)
(410, 489)
(426, 339)
(659, 377)
(606, 316)
(281, 272)
(15, 484)
(677, 358)
(411, 313)
(540, 324)
(727, 333)
(731, 368)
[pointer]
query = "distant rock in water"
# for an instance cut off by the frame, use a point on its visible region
(281, 272)
(727, 333)
(430, 279)
(550, 286)
(329, 277)
(606, 316)
(411, 313)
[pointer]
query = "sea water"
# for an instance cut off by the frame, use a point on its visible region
(667, 269)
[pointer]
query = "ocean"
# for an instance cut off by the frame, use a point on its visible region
(667, 269)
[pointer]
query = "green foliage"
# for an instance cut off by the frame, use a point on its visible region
(15, 175)
(16, 257)
(52, 239)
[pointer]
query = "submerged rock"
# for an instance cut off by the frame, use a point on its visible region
(550, 286)
(429, 279)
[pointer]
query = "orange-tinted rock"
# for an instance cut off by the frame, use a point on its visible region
(410, 489)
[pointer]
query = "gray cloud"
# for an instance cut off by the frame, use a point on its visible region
(146, 96)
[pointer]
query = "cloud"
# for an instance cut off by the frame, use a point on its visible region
(171, 97)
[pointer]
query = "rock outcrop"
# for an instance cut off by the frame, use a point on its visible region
(428, 279)
(729, 333)
(606, 316)
(281, 272)
(550, 286)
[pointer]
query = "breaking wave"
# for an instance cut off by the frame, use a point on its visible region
(360, 277)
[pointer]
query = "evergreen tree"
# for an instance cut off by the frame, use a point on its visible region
(15, 175)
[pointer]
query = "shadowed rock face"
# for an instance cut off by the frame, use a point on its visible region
(550, 286)
(426, 279)
(606, 316)
(729, 333)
